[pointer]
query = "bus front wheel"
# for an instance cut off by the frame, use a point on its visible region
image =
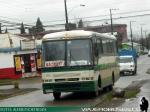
(113, 78)
(95, 93)
(56, 95)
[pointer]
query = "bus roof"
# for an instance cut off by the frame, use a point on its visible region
(75, 34)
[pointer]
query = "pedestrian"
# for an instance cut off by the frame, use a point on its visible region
(144, 105)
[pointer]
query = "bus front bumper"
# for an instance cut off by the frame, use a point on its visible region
(84, 86)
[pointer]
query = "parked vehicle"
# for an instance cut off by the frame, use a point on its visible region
(127, 64)
(128, 61)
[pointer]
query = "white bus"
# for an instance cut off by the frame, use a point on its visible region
(78, 61)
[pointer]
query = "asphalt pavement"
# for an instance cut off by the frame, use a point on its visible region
(37, 98)
(143, 66)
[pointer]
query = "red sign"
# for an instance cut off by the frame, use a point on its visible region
(54, 63)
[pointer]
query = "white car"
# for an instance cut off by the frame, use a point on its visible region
(127, 64)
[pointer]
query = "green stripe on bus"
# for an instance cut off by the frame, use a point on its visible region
(71, 86)
(80, 68)
(64, 69)
(105, 66)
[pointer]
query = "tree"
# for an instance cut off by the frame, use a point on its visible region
(80, 24)
(6, 31)
(22, 29)
(32, 30)
(72, 26)
(39, 26)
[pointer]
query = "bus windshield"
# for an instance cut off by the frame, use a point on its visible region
(78, 53)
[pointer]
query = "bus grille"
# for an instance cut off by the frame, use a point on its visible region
(69, 79)
(67, 87)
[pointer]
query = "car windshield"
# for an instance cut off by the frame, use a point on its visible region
(125, 59)
(78, 52)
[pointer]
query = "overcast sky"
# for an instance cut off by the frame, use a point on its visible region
(52, 10)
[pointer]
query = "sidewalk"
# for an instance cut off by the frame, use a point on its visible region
(135, 102)
(26, 85)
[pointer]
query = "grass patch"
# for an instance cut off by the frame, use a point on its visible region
(131, 93)
(108, 97)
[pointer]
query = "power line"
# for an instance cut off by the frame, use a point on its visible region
(88, 21)
(123, 17)
(16, 23)
(130, 12)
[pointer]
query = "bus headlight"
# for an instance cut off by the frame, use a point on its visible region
(87, 78)
(47, 80)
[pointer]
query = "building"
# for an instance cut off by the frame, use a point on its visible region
(19, 57)
(121, 29)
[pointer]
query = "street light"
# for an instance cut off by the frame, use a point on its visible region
(66, 15)
(81, 5)
(131, 35)
(111, 19)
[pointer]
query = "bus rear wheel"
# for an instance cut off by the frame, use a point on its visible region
(113, 78)
(56, 95)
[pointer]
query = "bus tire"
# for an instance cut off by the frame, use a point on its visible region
(135, 71)
(95, 93)
(99, 82)
(113, 78)
(56, 95)
(110, 87)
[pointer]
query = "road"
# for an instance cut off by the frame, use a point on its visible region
(143, 65)
(37, 98)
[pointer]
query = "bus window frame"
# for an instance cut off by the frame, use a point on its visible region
(77, 38)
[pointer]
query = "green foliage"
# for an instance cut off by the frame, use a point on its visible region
(22, 29)
(39, 26)
(80, 24)
(131, 93)
(6, 31)
(32, 30)
(72, 26)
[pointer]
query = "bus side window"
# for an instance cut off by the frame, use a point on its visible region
(95, 47)
(104, 44)
(111, 47)
(100, 47)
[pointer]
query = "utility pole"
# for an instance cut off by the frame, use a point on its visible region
(111, 22)
(131, 35)
(111, 19)
(66, 15)
(142, 37)
(146, 40)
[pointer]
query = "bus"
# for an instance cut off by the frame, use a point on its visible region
(78, 61)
